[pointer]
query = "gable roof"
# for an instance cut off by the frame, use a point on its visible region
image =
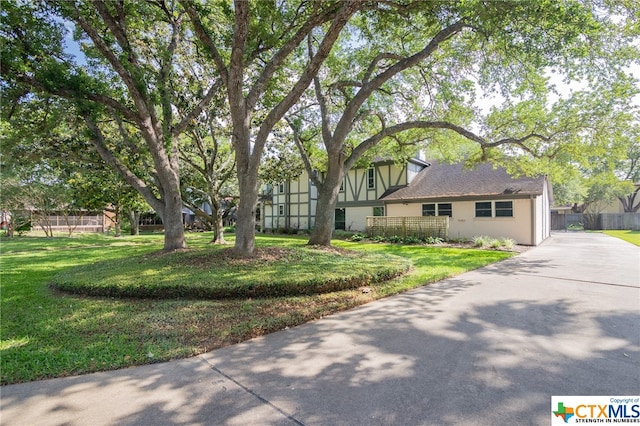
(441, 180)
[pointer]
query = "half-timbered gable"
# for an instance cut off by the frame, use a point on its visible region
(291, 205)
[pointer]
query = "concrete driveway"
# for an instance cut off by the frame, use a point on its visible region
(489, 347)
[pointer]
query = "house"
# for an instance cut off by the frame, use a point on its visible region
(292, 204)
(479, 201)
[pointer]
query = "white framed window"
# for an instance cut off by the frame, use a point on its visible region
(439, 209)
(280, 209)
(494, 209)
(378, 211)
(504, 208)
(429, 209)
(371, 178)
(484, 209)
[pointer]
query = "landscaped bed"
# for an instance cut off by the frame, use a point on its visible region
(215, 273)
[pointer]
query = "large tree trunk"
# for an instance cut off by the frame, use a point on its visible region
(216, 219)
(326, 206)
(118, 221)
(629, 202)
(172, 220)
(134, 220)
(325, 214)
(246, 224)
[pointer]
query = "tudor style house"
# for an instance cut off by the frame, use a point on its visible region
(479, 201)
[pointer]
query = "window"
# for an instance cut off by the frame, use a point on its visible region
(428, 210)
(494, 209)
(340, 219)
(441, 209)
(342, 186)
(280, 209)
(378, 211)
(504, 208)
(281, 188)
(371, 178)
(483, 209)
(444, 209)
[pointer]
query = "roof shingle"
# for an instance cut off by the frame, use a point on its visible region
(441, 180)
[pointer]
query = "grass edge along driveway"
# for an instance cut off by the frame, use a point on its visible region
(632, 237)
(48, 334)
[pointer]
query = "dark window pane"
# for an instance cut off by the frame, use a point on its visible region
(444, 209)
(340, 219)
(504, 209)
(428, 210)
(371, 179)
(483, 209)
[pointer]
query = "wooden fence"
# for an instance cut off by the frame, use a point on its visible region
(619, 221)
(403, 226)
(624, 221)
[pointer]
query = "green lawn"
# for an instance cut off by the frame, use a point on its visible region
(46, 333)
(630, 236)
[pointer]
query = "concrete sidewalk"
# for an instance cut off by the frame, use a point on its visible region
(489, 347)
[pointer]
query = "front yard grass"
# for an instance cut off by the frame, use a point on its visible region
(46, 333)
(632, 237)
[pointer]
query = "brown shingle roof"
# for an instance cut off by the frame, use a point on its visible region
(441, 180)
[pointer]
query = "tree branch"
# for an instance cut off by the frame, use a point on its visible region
(75, 95)
(98, 141)
(276, 114)
(197, 110)
(344, 124)
(398, 128)
(206, 40)
(303, 153)
(280, 56)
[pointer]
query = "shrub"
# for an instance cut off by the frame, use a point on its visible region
(481, 241)
(343, 235)
(508, 243)
(484, 241)
(412, 240)
(434, 240)
(495, 243)
(357, 237)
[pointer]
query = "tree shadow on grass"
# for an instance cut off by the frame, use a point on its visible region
(424, 357)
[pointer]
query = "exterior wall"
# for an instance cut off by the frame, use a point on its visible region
(299, 197)
(358, 199)
(613, 207)
(296, 199)
(356, 218)
(356, 189)
(542, 214)
(464, 224)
